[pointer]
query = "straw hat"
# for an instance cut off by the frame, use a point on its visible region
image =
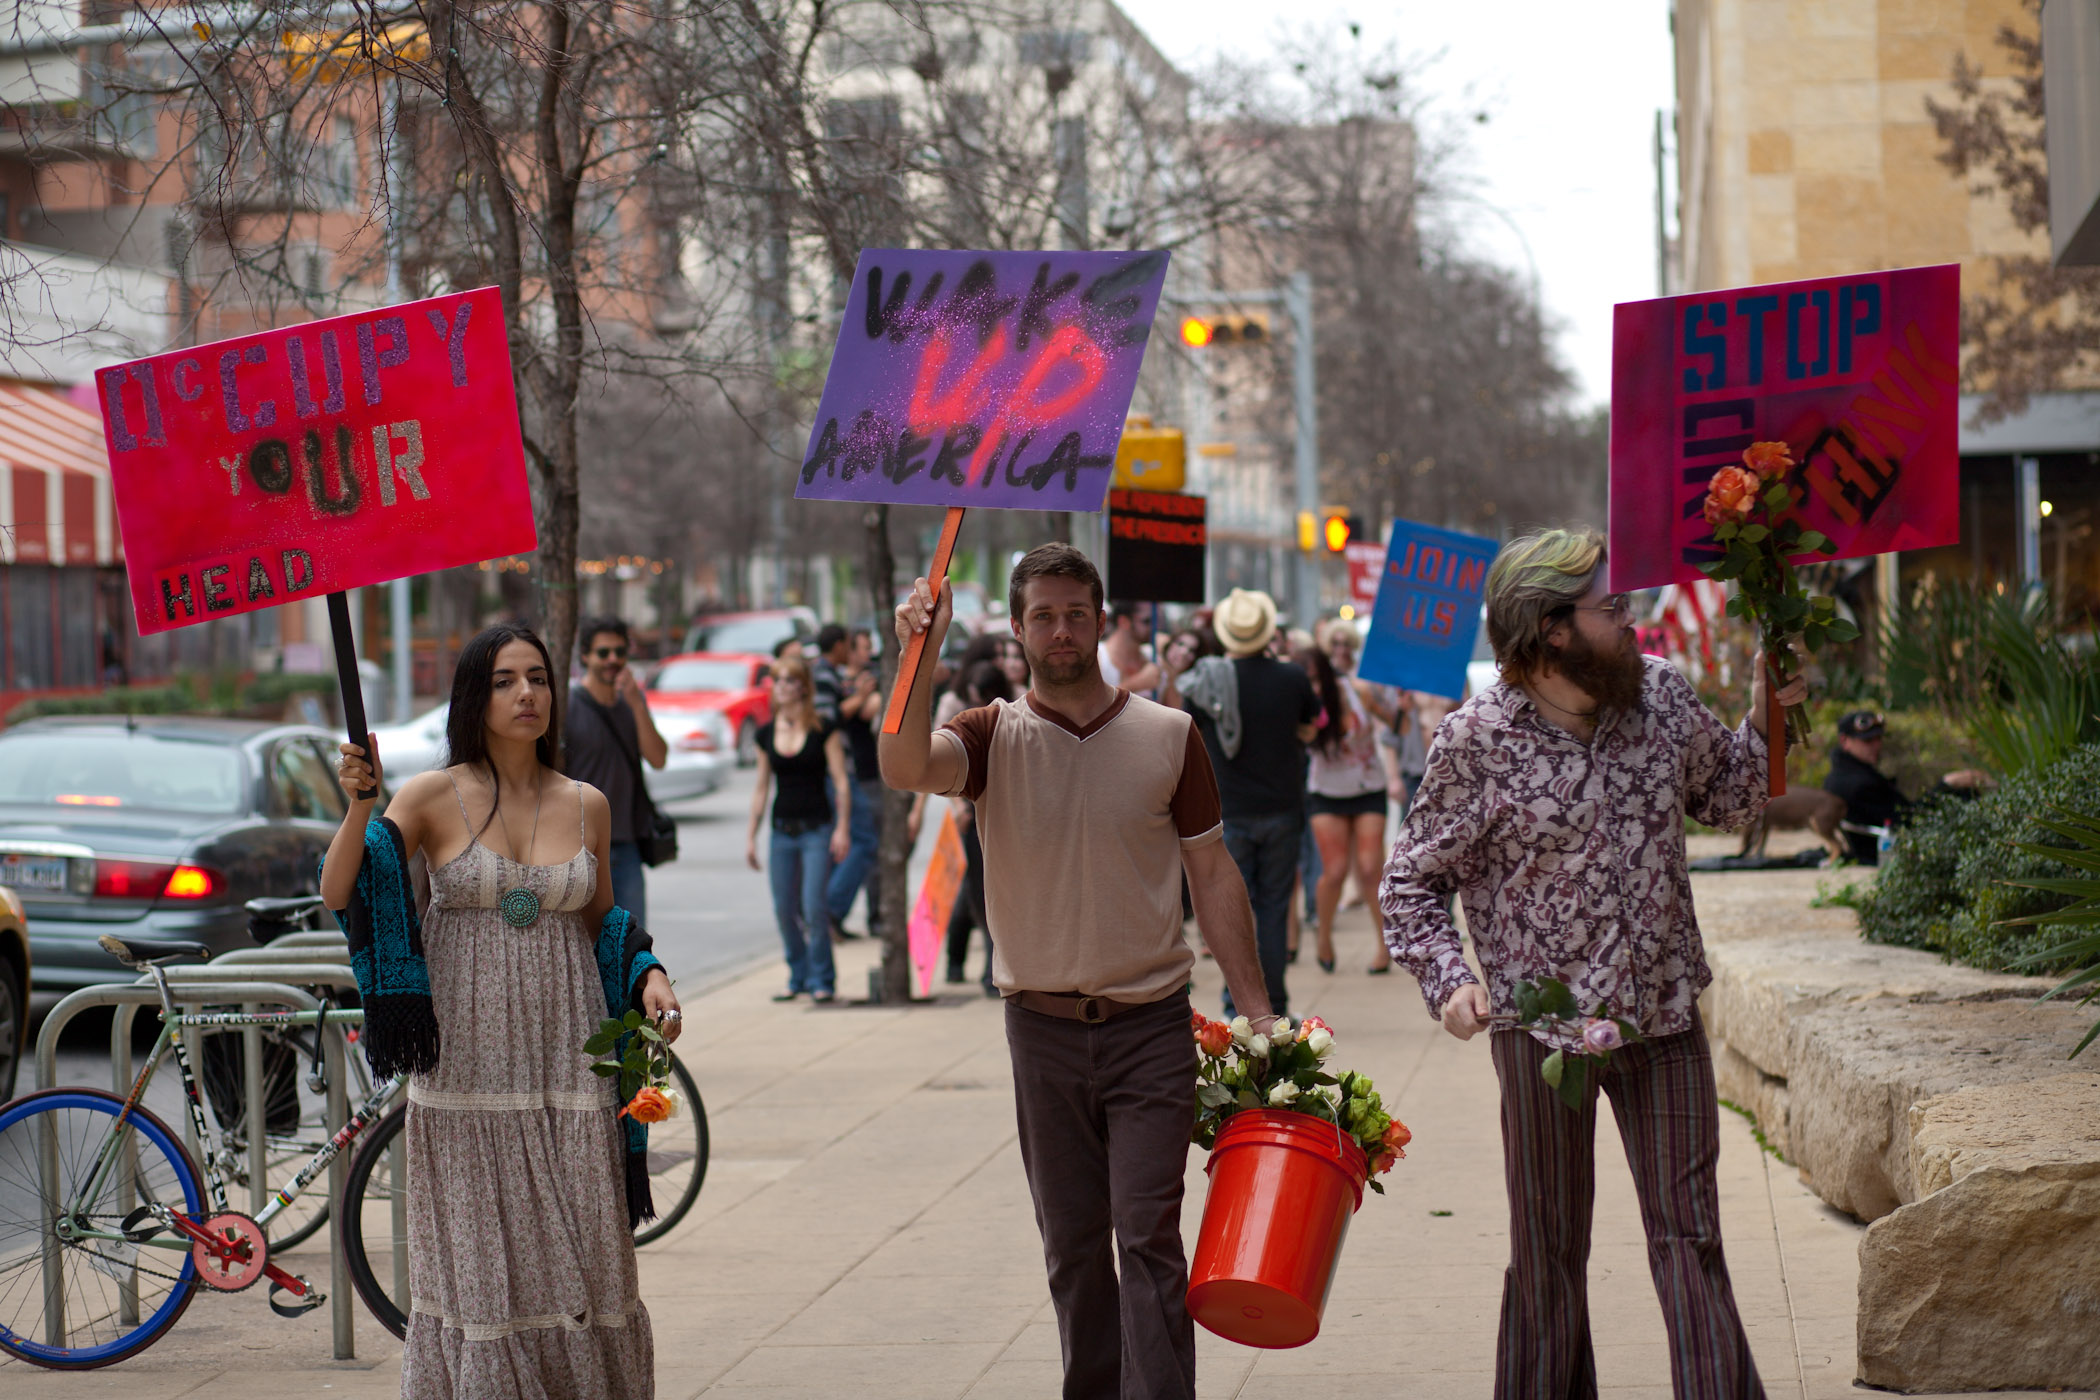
(1245, 621)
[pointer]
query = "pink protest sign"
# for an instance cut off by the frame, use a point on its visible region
(315, 458)
(982, 379)
(1857, 374)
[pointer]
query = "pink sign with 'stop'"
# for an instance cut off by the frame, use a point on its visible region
(1858, 374)
(315, 458)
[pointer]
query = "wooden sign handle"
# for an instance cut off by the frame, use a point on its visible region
(915, 654)
(346, 678)
(1775, 736)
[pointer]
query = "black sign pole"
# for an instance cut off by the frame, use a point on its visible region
(346, 677)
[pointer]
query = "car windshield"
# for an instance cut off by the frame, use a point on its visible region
(102, 770)
(753, 634)
(704, 675)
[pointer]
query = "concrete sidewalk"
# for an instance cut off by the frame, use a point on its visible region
(865, 1230)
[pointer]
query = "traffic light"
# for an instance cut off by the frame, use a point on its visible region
(1199, 331)
(1308, 532)
(1337, 530)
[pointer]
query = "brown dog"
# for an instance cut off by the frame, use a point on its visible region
(1812, 808)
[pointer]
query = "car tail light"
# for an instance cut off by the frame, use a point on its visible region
(130, 879)
(699, 741)
(193, 882)
(142, 879)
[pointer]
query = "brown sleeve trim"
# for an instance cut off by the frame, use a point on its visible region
(1195, 802)
(973, 728)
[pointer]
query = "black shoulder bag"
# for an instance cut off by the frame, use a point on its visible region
(655, 835)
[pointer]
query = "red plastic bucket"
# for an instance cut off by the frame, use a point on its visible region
(1282, 1188)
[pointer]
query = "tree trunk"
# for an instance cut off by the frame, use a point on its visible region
(893, 855)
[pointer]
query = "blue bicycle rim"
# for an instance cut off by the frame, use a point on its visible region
(193, 1198)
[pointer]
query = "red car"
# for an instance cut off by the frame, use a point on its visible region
(736, 685)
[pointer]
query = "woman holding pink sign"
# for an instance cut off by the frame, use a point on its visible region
(524, 1183)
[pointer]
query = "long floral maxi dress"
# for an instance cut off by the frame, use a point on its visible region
(521, 1262)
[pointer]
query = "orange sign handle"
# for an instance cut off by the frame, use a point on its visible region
(1775, 735)
(914, 654)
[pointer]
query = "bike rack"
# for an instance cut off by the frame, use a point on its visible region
(253, 986)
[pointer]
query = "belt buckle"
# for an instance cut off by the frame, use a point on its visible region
(1091, 1011)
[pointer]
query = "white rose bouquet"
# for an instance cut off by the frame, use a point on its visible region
(1286, 1068)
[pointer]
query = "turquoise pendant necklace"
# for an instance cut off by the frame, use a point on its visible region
(521, 906)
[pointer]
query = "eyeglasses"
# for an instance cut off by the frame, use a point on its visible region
(616, 653)
(1619, 605)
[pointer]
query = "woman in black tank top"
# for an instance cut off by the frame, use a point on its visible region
(809, 828)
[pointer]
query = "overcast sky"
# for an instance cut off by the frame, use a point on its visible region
(1571, 92)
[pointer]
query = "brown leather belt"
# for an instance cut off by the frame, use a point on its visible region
(1074, 1007)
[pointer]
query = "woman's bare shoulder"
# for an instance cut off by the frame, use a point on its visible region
(594, 803)
(424, 788)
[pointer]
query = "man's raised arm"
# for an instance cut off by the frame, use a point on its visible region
(911, 760)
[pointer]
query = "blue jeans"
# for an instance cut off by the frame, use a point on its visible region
(630, 891)
(1266, 850)
(864, 822)
(798, 867)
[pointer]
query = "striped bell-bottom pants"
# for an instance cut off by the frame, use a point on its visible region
(1662, 1093)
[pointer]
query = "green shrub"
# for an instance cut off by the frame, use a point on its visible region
(271, 689)
(118, 700)
(1943, 886)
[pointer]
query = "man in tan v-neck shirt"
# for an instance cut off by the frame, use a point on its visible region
(1092, 803)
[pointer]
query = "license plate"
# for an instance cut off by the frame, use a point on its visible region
(33, 872)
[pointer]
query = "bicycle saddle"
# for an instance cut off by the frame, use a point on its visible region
(273, 918)
(138, 952)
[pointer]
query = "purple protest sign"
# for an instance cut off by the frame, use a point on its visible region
(982, 379)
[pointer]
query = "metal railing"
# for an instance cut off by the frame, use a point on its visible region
(253, 979)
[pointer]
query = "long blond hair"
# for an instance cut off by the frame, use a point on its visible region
(792, 665)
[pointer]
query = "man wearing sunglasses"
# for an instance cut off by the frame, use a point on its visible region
(608, 733)
(1554, 807)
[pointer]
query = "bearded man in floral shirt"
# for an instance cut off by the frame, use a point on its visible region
(1554, 807)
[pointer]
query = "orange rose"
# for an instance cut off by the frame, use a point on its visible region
(1214, 1037)
(1382, 1163)
(648, 1106)
(1397, 1137)
(1768, 459)
(1731, 496)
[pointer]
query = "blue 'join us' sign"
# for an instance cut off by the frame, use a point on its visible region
(1428, 611)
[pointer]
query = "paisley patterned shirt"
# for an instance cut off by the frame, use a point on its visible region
(1569, 856)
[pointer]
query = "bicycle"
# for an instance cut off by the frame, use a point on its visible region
(102, 1199)
(137, 1193)
(297, 1124)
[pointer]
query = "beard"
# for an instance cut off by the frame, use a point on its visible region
(1612, 677)
(1062, 670)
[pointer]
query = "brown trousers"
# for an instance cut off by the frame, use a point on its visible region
(1105, 1112)
(1662, 1093)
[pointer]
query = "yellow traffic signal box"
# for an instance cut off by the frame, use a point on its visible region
(1151, 459)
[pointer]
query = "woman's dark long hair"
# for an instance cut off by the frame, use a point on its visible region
(986, 682)
(984, 647)
(1335, 722)
(473, 684)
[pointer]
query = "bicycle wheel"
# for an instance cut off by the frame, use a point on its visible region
(76, 1305)
(677, 1159)
(373, 1214)
(375, 1232)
